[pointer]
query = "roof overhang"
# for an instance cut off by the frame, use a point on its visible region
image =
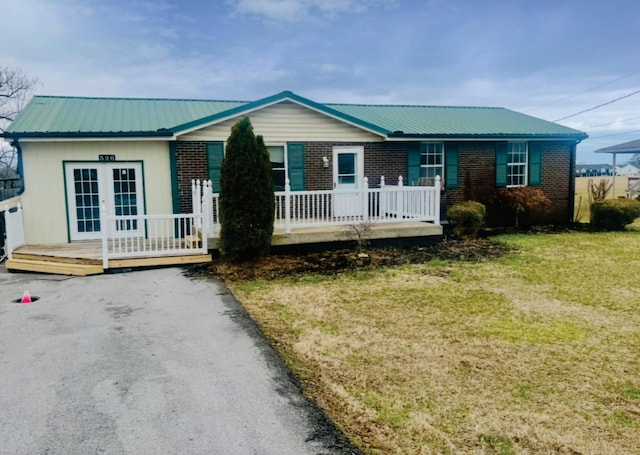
(625, 147)
(400, 136)
(163, 135)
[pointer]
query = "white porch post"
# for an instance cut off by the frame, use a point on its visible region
(287, 207)
(437, 201)
(400, 198)
(207, 208)
(364, 202)
(384, 198)
(194, 196)
(104, 233)
(613, 185)
(196, 202)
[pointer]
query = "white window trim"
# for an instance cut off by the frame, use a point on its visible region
(286, 159)
(431, 166)
(510, 165)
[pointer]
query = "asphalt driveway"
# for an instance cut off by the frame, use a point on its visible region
(145, 362)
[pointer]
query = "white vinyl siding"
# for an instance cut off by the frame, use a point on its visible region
(44, 202)
(288, 122)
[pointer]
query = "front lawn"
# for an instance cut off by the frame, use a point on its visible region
(537, 351)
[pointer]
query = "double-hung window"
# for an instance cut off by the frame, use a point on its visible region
(431, 162)
(278, 166)
(517, 155)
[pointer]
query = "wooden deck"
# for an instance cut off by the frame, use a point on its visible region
(85, 258)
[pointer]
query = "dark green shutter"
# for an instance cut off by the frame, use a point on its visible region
(295, 165)
(501, 164)
(535, 163)
(451, 162)
(413, 164)
(215, 154)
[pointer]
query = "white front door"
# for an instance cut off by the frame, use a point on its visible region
(348, 172)
(116, 185)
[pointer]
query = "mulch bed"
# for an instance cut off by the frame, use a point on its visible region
(333, 262)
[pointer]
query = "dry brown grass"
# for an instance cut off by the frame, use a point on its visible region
(582, 194)
(537, 352)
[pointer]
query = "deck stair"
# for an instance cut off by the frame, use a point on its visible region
(45, 263)
(85, 258)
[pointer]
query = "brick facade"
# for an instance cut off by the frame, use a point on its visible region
(478, 176)
(388, 159)
(191, 163)
(477, 170)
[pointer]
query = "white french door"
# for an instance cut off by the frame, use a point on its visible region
(116, 185)
(348, 172)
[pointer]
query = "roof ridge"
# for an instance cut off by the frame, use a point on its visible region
(126, 98)
(416, 106)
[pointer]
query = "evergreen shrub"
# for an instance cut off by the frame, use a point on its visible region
(614, 214)
(467, 218)
(247, 202)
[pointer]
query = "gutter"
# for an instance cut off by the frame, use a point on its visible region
(163, 132)
(400, 135)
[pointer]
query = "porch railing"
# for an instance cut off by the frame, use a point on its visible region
(386, 204)
(139, 236)
(14, 229)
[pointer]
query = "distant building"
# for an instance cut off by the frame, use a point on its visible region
(593, 170)
(627, 169)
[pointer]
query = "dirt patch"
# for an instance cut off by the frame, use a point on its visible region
(338, 261)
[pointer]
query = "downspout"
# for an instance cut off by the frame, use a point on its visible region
(572, 182)
(19, 167)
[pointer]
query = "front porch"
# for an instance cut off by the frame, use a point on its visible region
(302, 218)
(85, 258)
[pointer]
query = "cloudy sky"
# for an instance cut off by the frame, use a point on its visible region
(547, 58)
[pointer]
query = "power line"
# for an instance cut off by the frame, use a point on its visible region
(599, 106)
(611, 123)
(615, 134)
(585, 91)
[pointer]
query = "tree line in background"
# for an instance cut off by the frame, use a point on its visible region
(16, 88)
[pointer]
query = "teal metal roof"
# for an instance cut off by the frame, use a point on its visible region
(54, 115)
(455, 121)
(50, 116)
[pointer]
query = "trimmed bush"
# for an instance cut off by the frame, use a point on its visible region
(524, 206)
(467, 218)
(614, 214)
(247, 202)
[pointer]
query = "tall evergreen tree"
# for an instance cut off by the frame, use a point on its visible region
(247, 202)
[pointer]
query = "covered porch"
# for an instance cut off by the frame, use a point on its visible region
(301, 218)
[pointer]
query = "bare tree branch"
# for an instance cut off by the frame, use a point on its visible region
(16, 89)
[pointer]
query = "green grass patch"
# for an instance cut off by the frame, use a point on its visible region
(520, 330)
(500, 445)
(537, 351)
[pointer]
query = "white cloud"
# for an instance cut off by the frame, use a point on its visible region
(295, 10)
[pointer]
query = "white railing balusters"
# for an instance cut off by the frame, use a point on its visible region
(386, 204)
(166, 235)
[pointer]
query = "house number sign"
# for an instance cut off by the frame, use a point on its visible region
(106, 157)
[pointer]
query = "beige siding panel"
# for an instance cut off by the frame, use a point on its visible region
(44, 200)
(285, 122)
